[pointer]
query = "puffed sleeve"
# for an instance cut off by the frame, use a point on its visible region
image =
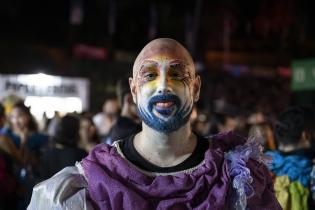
(264, 196)
(66, 190)
(251, 181)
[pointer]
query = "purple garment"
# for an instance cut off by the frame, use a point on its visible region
(114, 183)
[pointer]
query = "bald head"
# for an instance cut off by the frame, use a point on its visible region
(164, 47)
(164, 85)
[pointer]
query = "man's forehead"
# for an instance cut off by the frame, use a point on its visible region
(161, 50)
(158, 59)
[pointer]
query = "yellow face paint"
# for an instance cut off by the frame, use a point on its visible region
(162, 74)
(163, 84)
(163, 49)
(164, 68)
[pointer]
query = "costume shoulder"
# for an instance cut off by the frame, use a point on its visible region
(251, 182)
(264, 197)
(66, 190)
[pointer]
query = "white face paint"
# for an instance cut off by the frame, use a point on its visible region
(164, 92)
(164, 76)
(164, 85)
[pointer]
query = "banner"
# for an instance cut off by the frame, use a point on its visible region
(24, 85)
(303, 77)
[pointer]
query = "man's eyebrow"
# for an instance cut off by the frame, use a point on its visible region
(148, 63)
(178, 61)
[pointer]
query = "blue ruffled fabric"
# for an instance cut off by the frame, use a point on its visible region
(240, 173)
(312, 180)
(296, 167)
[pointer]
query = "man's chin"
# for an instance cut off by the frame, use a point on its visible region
(164, 124)
(173, 123)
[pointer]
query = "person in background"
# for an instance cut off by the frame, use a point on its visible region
(292, 163)
(8, 155)
(260, 126)
(28, 141)
(52, 125)
(23, 131)
(223, 122)
(105, 119)
(165, 165)
(2, 119)
(6, 144)
(8, 183)
(128, 121)
(64, 150)
(200, 122)
(88, 133)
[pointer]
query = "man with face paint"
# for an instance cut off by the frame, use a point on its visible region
(166, 165)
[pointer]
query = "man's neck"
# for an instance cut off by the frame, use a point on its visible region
(165, 150)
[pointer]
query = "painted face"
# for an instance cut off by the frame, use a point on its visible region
(19, 119)
(164, 87)
(87, 129)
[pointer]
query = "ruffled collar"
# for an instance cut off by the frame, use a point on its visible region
(115, 183)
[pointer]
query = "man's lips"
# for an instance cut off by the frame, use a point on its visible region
(165, 108)
(164, 104)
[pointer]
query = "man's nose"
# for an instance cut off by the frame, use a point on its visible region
(163, 87)
(164, 91)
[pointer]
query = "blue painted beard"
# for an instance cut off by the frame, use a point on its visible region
(176, 115)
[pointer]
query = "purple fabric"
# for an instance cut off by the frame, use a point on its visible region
(115, 184)
(240, 173)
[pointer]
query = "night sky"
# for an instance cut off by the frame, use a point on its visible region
(38, 36)
(40, 33)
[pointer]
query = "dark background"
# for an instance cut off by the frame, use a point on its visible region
(38, 36)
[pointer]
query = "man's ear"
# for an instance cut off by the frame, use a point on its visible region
(197, 85)
(133, 89)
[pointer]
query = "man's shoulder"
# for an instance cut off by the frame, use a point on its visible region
(247, 168)
(102, 148)
(65, 190)
(100, 156)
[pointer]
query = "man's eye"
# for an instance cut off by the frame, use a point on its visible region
(174, 74)
(150, 76)
(176, 70)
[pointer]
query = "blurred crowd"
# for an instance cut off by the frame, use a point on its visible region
(29, 154)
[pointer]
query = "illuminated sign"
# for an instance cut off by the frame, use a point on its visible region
(36, 90)
(42, 86)
(303, 77)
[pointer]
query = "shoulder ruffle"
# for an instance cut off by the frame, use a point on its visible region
(115, 184)
(312, 180)
(240, 173)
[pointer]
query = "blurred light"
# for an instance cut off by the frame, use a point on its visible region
(284, 72)
(48, 105)
(40, 79)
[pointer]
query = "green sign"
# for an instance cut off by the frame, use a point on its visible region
(303, 75)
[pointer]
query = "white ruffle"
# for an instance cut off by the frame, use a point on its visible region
(66, 190)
